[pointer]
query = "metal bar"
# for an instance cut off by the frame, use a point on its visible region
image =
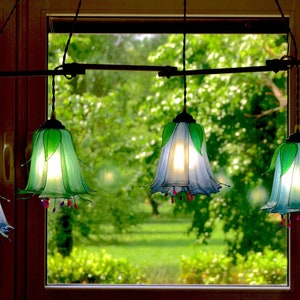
(111, 67)
(216, 71)
(74, 69)
(275, 65)
(29, 73)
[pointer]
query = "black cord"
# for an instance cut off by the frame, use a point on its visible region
(53, 97)
(71, 32)
(53, 116)
(296, 57)
(183, 54)
(288, 28)
(9, 16)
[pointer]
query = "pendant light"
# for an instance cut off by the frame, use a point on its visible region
(285, 194)
(54, 167)
(183, 165)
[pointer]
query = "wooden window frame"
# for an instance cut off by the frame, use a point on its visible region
(24, 47)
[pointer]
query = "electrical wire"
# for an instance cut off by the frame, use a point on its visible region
(183, 55)
(53, 115)
(294, 58)
(71, 32)
(68, 76)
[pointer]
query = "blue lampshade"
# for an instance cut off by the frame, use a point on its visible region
(54, 167)
(4, 226)
(285, 195)
(183, 165)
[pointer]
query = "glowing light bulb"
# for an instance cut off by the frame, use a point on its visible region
(179, 158)
(54, 167)
(55, 182)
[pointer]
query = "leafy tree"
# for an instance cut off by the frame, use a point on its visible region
(100, 109)
(244, 118)
(116, 119)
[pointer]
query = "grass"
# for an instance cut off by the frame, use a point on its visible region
(157, 246)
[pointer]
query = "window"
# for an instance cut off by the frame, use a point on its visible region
(117, 115)
(25, 43)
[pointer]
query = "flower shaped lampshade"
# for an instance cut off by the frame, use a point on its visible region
(183, 164)
(54, 170)
(4, 226)
(285, 195)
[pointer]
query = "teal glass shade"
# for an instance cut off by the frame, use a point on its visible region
(285, 194)
(183, 165)
(54, 167)
(4, 226)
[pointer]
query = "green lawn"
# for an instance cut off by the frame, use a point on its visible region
(157, 246)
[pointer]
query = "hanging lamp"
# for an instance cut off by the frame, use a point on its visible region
(54, 167)
(285, 194)
(183, 165)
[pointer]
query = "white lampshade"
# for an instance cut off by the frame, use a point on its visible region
(183, 164)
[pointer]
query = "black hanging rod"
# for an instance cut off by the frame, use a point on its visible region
(274, 65)
(74, 69)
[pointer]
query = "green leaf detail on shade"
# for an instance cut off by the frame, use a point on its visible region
(52, 139)
(274, 158)
(167, 132)
(197, 135)
(288, 152)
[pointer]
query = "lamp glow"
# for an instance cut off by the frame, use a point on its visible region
(183, 165)
(55, 169)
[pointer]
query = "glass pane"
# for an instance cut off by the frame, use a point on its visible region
(127, 236)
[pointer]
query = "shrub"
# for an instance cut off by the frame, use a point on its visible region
(257, 268)
(87, 267)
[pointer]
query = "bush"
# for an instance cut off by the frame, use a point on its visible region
(86, 267)
(258, 268)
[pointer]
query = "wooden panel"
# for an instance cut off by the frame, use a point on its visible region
(7, 128)
(169, 7)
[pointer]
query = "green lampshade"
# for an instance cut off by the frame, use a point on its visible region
(54, 166)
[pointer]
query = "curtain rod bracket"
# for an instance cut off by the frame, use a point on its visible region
(73, 69)
(277, 65)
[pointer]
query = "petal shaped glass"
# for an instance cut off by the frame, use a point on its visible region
(285, 195)
(55, 170)
(183, 165)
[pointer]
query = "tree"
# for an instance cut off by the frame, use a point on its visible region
(100, 111)
(117, 118)
(244, 118)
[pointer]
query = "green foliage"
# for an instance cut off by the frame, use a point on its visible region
(63, 231)
(117, 118)
(100, 111)
(244, 120)
(85, 267)
(268, 267)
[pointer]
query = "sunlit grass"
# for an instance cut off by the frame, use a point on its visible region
(157, 246)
